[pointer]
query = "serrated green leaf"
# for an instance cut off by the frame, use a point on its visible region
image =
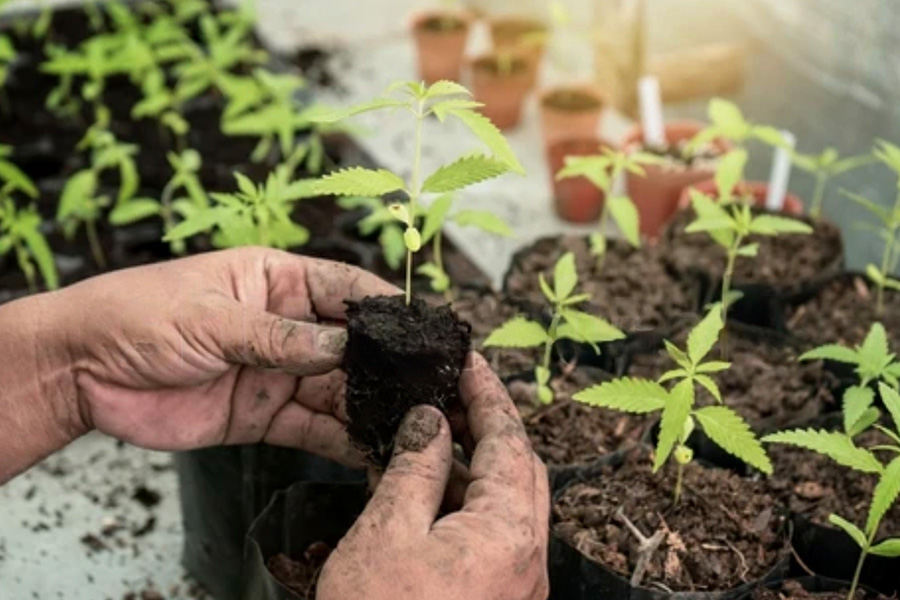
(676, 411)
(484, 220)
(440, 281)
(358, 181)
(676, 354)
(704, 336)
(708, 224)
(730, 172)
(886, 493)
(637, 396)
(565, 277)
(43, 256)
(517, 333)
(731, 433)
(673, 374)
(850, 163)
(713, 366)
(868, 418)
(773, 225)
(888, 153)
(837, 446)
(466, 171)
(891, 400)
(857, 400)
(434, 217)
(490, 136)
(888, 548)
(446, 88)
(326, 115)
(625, 214)
(442, 108)
(874, 352)
(545, 288)
(392, 246)
(832, 352)
(749, 250)
(850, 529)
(134, 211)
(769, 135)
(199, 223)
(710, 386)
(17, 179)
(725, 114)
(590, 328)
(881, 213)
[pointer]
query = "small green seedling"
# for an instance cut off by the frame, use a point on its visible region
(889, 228)
(159, 102)
(20, 229)
(841, 448)
(825, 166)
(380, 219)
(7, 56)
(603, 170)
(727, 122)
(679, 416)
(729, 220)
(443, 99)
(873, 362)
(254, 215)
(97, 59)
(435, 217)
(566, 322)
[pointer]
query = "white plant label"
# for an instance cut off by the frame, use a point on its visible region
(651, 112)
(781, 173)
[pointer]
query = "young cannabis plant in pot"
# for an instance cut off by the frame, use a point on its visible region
(566, 322)
(724, 427)
(824, 167)
(872, 362)
(727, 122)
(728, 220)
(443, 100)
(841, 448)
(20, 229)
(603, 170)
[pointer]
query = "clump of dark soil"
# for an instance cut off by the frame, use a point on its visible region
(842, 312)
(632, 289)
(302, 575)
(815, 486)
(789, 263)
(794, 590)
(574, 100)
(765, 384)
(397, 357)
(725, 532)
(678, 153)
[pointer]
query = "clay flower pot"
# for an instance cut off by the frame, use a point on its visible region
(570, 112)
(656, 194)
(517, 35)
(501, 88)
(757, 189)
(440, 38)
(576, 199)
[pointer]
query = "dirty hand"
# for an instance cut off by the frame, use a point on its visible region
(221, 348)
(493, 548)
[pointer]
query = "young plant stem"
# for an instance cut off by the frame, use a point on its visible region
(726, 290)
(25, 265)
(818, 195)
(551, 338)
(168, 216)
(863, 552)
(887, 260)
(439, 261)
(96, 248)
(414, 192)
(679, 483)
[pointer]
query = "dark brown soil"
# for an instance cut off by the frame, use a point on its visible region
(632, 289)
(397, 357)
(300, 576)
(815, 486)
(442, 24)
(567, 432)
(573, 100)
(493, 66)
(679, 154)
(842, 312)
(794, 590)
(789, 263)
(513, 29)
(765, 383)
(725, 532)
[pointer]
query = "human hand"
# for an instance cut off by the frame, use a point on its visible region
(221, 348)
(493, 548)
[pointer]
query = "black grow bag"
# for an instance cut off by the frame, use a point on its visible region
(304, 514)
(811, 583)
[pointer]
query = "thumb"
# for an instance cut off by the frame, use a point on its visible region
(412, 488)
(260, 339)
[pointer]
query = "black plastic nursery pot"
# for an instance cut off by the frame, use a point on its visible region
(809, 586)
(290, 540)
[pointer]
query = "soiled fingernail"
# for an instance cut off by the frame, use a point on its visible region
(421, 425)
(332, 340)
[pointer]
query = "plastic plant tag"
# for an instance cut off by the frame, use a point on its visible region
(651, 112)
(781, 173)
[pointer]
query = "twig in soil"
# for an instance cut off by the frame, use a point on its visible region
(646, 547)
(546, 410)
(800, 561)
(744, 567)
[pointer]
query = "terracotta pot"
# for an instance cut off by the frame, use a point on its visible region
(575, 199)
(501, 93)
(569, 113)
(440, 50)
(510, 34)
(656, 194)
(757, 189)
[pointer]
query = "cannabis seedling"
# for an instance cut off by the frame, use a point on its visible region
(729, 221)
(566, 322)
(435, 217)
(679, 416)
(20, 229)
(872, 362)
(727, 122)
(841, 448)
(603, 170)
(443, 99)
(825, 166)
